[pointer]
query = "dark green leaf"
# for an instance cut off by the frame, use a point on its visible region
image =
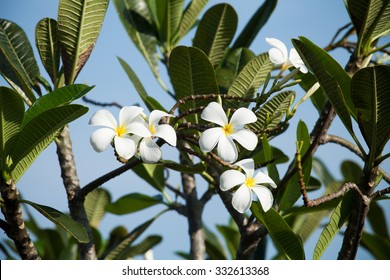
(95, 204)
(46, 40)
(141, 248)
(378, 246)
(131, 203)
(190, 16)
(317, 98)
(214, 248)
(11, 118)
(152, 174)
(377, 218)
(67, 223)
(254, 25)
(79, 24)
(351, 171)
(17, 61)
(322, 171)
(370, 92)
(232, 238)
(215, 32)
(288, 243)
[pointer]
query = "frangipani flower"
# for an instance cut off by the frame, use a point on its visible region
(118, 134)
(248, 183)
(149, 150)
(228, 131)
(278, 55)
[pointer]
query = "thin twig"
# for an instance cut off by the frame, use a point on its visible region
(102, 104)
(380, 193)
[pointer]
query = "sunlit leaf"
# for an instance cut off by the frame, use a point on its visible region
(152, 174)
(132, 202)
(95, 204)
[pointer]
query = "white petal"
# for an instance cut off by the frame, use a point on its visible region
(248, 165)
(242, 116)
(242, 199)
(262, 178)
(166, 132)
(226, 148)
(247, 138)
(128, 114)
(265, 197)
(214, 113)
(150, 151)
(230, 179)
(103, 118)
(296, 61)
(138, 128)
(101, 138)
(209, 139)
(156, 115)
(125, 146)
(278, 54)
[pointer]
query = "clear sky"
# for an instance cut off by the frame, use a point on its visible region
(317, 20)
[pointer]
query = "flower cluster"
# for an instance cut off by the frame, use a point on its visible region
(133, 136)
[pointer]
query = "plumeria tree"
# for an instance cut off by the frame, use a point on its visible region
(227, 105)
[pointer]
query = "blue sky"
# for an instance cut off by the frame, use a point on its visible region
(316, 20)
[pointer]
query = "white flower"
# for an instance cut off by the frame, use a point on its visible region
(228, 131)
(242, 198)
(149, 150)
(278, 55)
(119, 134)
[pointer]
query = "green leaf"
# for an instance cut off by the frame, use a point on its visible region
(351, 171)
(115, 250)
(370, 92)
(251, 77)
(190, 16)
(56, 98)
(254, 25)
(337, 220)
(332, 78)
(46, 40)
(95, 204)
(291, 193)
(36, 135)
(133, 202)
(318, 98)
(272, 112)
(141, 248)
(288, 243)
(215, 32)
(371, 20)
(268, 156)
(166, 17)
(322, 171)
(138, 85)
(377, 219)
(378, 246)
(136, 19)
(79, 24)
(232, 238)
(64, 221)
(17, 61)
(152, 174)
(11, 118)
(231, 67)
(191, 73)
(214, 248)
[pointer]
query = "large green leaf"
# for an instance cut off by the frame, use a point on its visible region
(231, 67)
(337, 220)
(251, 77)
(152, 174)
(190, 15)
(46, 40)
(17, 61)
(371, 20)
(254, 25)
(370, 92)
(271, 113)
(231, 235)
(133, 202)
(322, 172)
(214, 247)
(318, 98)
(215, 32)
(377, 218)
(351, 171)
(79, 24)
(136, 19)
(71, 226)
(191, 73)
(151, 103)
(331, 76)
(166, 18)
(141, 248)
(56, 98)
(378, 246)
(36, 135)
(11, 118)
(287, 242)
(95, 204)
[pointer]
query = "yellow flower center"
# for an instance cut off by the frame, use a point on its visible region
(152, 129)
(120, 130)
(250, 182)
(227, 129)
